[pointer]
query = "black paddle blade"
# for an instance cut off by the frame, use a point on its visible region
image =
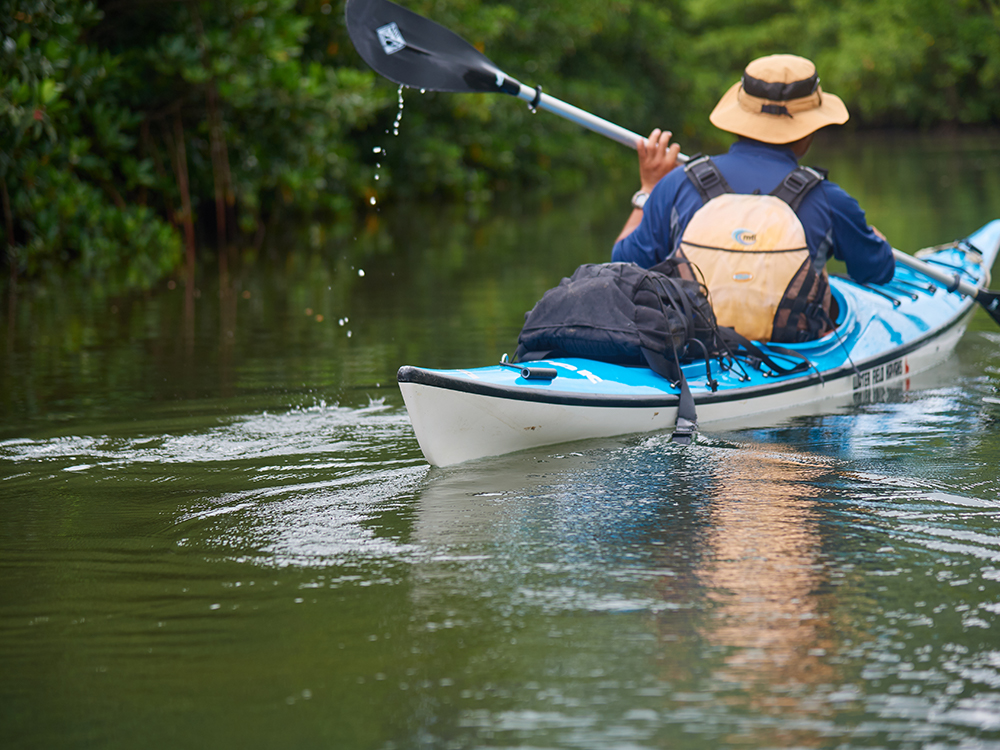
(991, 301)
(411, 50)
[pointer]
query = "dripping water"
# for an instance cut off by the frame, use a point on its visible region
(399, 111)
(378, 151)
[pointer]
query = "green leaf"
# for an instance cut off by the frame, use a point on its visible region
(49, 90)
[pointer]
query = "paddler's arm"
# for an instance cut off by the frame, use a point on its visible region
(863, 248)
(657, 157)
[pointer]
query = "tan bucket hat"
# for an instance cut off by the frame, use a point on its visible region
(778, 100)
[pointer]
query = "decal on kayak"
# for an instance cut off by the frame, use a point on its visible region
(869, 384)
(880, 374)
(745, 237)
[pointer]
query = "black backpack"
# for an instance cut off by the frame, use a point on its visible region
(620, 313)
(624, 314)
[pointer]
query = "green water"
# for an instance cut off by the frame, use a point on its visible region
(218, 529)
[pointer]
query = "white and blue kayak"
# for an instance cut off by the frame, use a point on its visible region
(885, 335)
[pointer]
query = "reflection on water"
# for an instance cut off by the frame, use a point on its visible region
(739, 593)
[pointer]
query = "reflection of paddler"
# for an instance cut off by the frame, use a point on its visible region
(751, 589)
(762, 570)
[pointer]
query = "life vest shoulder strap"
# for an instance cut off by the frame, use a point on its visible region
(706, 177)
(709, 182)
(797, 184)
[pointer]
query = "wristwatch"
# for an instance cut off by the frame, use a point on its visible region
(639, 199)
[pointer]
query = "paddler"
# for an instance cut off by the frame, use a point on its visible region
(762, 256)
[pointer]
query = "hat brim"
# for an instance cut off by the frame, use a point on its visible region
(731, 116)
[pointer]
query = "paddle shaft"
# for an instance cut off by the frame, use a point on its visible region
(952, 282)
(581, 117)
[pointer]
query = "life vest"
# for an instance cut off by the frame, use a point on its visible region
(752, 253)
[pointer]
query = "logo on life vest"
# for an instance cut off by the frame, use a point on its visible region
(742, 277)
(391, 38)
(745, 237)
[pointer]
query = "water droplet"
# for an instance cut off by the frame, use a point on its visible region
(376, 177)
(361, 272)
(348, 334)
(377, 150)
(372, 200)
(423, 91)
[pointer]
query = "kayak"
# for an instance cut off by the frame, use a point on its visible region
(885, 335)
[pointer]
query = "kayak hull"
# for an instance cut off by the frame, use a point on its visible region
(885, 336)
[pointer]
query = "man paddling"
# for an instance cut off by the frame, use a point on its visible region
(751, 223)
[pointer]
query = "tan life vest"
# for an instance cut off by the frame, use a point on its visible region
(752, 254)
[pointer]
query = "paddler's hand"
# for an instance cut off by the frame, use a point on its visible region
(657, 157)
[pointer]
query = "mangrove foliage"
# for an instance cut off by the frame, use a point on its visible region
(135, 134)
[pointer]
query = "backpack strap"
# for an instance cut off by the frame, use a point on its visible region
(686, 423)
(706, 178)
(671, 290)
(738, 345)
(797, 184)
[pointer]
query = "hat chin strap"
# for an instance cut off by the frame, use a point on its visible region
(775, 109)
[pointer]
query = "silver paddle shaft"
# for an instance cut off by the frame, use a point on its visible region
(585, 119)
(950, 281)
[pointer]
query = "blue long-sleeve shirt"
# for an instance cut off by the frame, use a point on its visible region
(835, 224)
